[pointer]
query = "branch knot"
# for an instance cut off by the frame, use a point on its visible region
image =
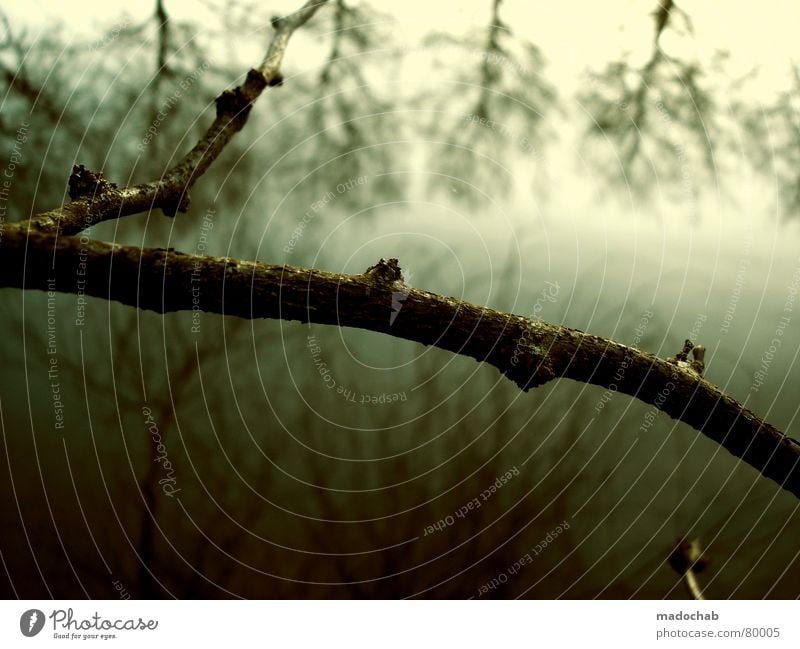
(84, 183)
(385, 272)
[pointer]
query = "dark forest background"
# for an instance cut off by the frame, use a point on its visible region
(666, 188)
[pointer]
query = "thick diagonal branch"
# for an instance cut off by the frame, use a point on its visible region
(171, 192)
(528, 352)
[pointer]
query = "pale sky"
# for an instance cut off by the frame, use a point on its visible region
(572, 33)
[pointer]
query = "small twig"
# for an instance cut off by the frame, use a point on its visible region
(681, 359)
(688, 561)
(162, 20)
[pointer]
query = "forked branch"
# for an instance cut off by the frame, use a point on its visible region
(170, 193)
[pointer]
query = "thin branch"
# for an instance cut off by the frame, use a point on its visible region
(336, 45)
(492, 51)
(171, 191)
(162, 20)
(661, 16)
(693, 585)
(528, 352)
(688, 561)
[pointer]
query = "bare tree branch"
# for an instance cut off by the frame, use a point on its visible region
(162, 20)
(171, 191)
(492, 52)
(336, 46)
(528, 352)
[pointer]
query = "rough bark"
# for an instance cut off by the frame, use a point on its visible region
(528, 352)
